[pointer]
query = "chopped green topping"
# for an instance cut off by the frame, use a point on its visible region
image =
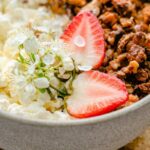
(51, 77)
(21, 46)
(32, 57)
(22, 60)
(42, 90)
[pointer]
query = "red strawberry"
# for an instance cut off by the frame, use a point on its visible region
(85, 39)
(96, 93)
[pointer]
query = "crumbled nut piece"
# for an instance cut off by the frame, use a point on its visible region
(145, 13)
(142, 75)
(93, 6)
(109, 53)
(109, 18)
(124, 7)
(133, 98)
(77, 2)
(118, 29)
(123, 41)
(139, 38)
(103, 1)
(77, 10)
(148, 52)
(116, 55)
(138, 3)
(111, 38)
(126, 22)
(114, 64)
(106, 33)
(141, 27)
(58, 6)
(147, 44)
(129, 88)
(122, 57)
(108, 56)
(131, 68)
(105, 61)
(136, 52)
(121, 74)
(112, 73)
(145, 87)
(147, 64)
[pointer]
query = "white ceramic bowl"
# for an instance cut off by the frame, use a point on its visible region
(106, 132)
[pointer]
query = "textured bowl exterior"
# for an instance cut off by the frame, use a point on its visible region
(107, 132)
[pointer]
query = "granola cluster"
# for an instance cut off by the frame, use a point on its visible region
(127, 37)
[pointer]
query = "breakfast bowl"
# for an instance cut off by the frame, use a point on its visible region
(73, 82)
(106, 132)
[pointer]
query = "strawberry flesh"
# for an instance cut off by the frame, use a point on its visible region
(85, 39)
(96, 93)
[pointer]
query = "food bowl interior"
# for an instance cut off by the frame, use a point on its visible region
(85, 121)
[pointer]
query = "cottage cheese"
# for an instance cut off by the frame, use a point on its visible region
(30, 50)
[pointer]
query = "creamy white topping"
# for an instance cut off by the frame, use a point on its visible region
(35, 72)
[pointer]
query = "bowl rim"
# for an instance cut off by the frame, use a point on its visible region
(76, 122)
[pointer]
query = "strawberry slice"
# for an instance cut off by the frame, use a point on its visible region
(96, 93)
(85, 39)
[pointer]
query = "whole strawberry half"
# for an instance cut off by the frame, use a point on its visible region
(96, 93)
(85, 39)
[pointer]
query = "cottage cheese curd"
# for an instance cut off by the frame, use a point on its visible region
(35, 74)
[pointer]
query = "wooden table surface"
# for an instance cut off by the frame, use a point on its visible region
(140, 143)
